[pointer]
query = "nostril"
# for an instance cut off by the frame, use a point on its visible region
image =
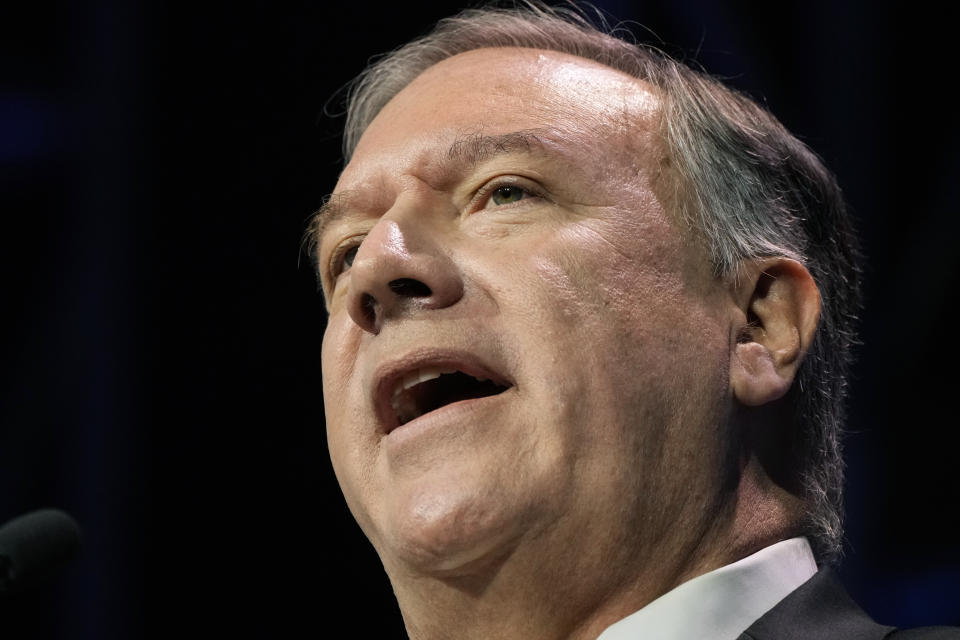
(368, 307)
(410, 288)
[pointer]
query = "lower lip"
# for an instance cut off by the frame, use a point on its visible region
(449, 417)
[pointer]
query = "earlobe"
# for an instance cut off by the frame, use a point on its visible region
(779, 306)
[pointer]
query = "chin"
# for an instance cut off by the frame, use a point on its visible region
(451, 535)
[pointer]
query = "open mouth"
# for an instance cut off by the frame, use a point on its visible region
(428, 389)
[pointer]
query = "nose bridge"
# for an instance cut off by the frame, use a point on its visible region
(407, 231)
(386, 240)
(402, 267)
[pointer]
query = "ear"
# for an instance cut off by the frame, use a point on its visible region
(780, 303)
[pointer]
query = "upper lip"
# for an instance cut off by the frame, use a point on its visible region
(391, 372)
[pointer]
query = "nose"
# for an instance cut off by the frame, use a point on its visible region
(400, 270)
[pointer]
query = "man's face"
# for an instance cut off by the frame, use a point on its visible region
(504, 217)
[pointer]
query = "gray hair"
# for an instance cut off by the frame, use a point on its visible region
(744, 183)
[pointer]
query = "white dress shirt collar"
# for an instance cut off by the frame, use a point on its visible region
(723, 603)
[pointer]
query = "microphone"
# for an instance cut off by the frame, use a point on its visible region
(34, 546)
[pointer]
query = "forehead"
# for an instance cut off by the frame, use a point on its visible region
(502, 90)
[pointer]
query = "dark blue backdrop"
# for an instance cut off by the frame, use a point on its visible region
(160, 370)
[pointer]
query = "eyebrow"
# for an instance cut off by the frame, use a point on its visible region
(474, 148)
(469, 149)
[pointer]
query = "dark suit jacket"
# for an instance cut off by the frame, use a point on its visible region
(820, 609)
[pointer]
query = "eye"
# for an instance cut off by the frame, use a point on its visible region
(348, 257)
(343, 257)
(501, 194)
(507, 194)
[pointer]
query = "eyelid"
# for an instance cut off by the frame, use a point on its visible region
(483, 194)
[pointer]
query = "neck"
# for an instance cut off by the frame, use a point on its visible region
(522, 598)
(530, 592)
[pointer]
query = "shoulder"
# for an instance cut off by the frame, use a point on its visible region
(926, 633)
(821, 609)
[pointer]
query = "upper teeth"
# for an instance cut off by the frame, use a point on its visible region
(420, 375)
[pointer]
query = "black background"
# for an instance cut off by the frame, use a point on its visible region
(160, 372)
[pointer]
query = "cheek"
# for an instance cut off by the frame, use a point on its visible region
(342, 406)
(624, 308)
(591, 274)
(338, 356)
